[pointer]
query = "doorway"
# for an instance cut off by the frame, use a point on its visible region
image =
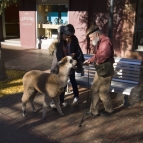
(12, 21)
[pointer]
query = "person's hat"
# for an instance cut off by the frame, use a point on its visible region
(61, 30)
(69, 29)
(92, 29)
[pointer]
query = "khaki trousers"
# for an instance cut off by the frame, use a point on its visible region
(100, 90)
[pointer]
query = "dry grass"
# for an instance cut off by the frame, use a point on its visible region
(13, 84)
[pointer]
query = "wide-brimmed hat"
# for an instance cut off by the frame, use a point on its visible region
(92, 29)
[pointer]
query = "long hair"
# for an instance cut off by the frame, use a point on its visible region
(61, 40)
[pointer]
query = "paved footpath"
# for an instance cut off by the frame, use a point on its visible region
(125, 126)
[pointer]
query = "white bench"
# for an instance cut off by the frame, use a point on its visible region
(127, 75)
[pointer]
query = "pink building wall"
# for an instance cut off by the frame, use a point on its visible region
(80, 28)
(27, 28)
(81, 16)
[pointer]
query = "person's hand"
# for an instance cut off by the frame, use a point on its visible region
(87, 62)
(72, 55)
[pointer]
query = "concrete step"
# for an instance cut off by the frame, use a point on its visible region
(17, 41)
(10, 44)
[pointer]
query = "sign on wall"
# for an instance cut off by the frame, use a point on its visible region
(27, 28)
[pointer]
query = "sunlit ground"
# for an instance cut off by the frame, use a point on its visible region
(13, 84)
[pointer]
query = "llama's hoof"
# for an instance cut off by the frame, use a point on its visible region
(34, 111)
(62, 114)
(43, 118)
(24, 115)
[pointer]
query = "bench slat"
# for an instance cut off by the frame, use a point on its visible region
(120, 87)
(126, 65)
(126, 74)
(127, 91)
(121, 84)
(127, 61)
(126, 78)
(125, 81)
(127, 68)
(122, 91)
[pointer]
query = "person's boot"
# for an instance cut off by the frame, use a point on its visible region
(105, 113)
(90, 113)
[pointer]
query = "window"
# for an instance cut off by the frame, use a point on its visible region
(138, 37)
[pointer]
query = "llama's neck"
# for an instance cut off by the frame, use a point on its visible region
(63, 79)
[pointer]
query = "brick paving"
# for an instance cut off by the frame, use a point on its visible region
(125, 126)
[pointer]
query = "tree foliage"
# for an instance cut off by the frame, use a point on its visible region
(5, 3)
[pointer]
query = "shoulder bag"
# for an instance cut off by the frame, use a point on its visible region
(104, 69)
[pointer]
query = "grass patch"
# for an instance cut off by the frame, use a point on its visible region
(13, 84)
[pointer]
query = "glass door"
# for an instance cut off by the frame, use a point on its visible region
(50, 17)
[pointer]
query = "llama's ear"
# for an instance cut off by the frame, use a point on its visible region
(63, 61)
(60, 63)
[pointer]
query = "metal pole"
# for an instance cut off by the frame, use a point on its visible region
(88, 25)
(110, 19)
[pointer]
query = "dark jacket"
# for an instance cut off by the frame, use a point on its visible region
(74, 48)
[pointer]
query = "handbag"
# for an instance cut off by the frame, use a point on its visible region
(104, 69)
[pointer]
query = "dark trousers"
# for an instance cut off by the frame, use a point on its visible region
(74, 86)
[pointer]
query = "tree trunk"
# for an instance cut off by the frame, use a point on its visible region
(3, 74)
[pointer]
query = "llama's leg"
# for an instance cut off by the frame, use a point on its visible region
(24, 108)
(45, 105)
(57, 103)
(26, 97)
(32, 99)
